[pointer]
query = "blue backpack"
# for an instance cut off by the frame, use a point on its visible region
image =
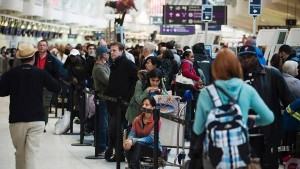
(226, 143)
(291, 117)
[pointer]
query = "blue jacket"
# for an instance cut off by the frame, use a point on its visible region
(248, 98)
(260, 56)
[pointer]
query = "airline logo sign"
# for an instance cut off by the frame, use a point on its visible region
(207, 11)
(254, 7)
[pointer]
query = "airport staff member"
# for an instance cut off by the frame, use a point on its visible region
(25, 84)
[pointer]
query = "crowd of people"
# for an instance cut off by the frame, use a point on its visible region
(137, 74)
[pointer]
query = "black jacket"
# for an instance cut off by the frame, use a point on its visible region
(272, 88)
(25, 85)
(122, 79)
(121, 83)
(89, 64)
(203, 61)
(53, 66)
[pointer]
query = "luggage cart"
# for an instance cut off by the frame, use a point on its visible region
(171, 134)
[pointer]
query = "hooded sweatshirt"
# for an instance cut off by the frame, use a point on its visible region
(247, 98)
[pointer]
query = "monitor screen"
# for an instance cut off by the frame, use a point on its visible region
(281, 38)
(208, 50)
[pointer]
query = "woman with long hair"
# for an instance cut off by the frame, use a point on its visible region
(227, 72)
(140, 141)
(151, 86)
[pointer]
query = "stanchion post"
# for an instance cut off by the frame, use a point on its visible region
(56, 104)
(156, 117)
(63, 99)
(119, 138)
(96, 129)
(82, 115)
(72, 108)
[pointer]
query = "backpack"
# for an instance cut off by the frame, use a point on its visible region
(226, 143)
(204, 62)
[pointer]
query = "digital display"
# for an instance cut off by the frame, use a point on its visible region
(281, 37)
(191, 15)
(177, 30)
(208, 50)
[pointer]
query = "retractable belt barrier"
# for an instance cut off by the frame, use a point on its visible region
(156, 116)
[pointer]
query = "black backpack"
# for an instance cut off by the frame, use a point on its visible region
(226, 143)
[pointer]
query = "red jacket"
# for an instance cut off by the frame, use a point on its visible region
(189, 71)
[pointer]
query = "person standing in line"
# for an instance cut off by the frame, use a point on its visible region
(288, 53)
(227, 72)
(89, 64)
(273, 89)
(102, 43)
(25, 85)
(122, 80)
(100, 75)
(46, 61)
(289, 72)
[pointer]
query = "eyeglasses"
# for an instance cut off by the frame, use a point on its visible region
(91, 48)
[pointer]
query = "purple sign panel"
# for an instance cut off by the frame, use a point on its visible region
(177, 30)
(191, 15)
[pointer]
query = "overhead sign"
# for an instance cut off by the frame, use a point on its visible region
(212, 27)
(254, 7)
(177, 30)
(156, 20)
(191, 15)
(207, 11)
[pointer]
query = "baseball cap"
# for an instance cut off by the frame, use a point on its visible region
(74, 52)
(101, 49)
(247, 49)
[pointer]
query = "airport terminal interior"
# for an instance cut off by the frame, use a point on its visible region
(215, 23)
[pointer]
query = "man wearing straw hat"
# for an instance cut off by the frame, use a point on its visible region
(25, 84)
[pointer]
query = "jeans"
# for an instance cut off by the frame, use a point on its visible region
(137, 151)
(102, 125)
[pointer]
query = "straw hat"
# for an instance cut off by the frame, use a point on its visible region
(25, 50)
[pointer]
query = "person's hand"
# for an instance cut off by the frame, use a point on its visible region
(201, 86)
(252, 117)
(128, 144)
(151, 89)
(200, 82)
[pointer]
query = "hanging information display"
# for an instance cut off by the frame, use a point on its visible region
(191, 15)
(177, 30)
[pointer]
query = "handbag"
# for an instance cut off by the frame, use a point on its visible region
(183, 80)
(63, 124)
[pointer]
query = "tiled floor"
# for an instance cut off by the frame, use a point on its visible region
(55, 151)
